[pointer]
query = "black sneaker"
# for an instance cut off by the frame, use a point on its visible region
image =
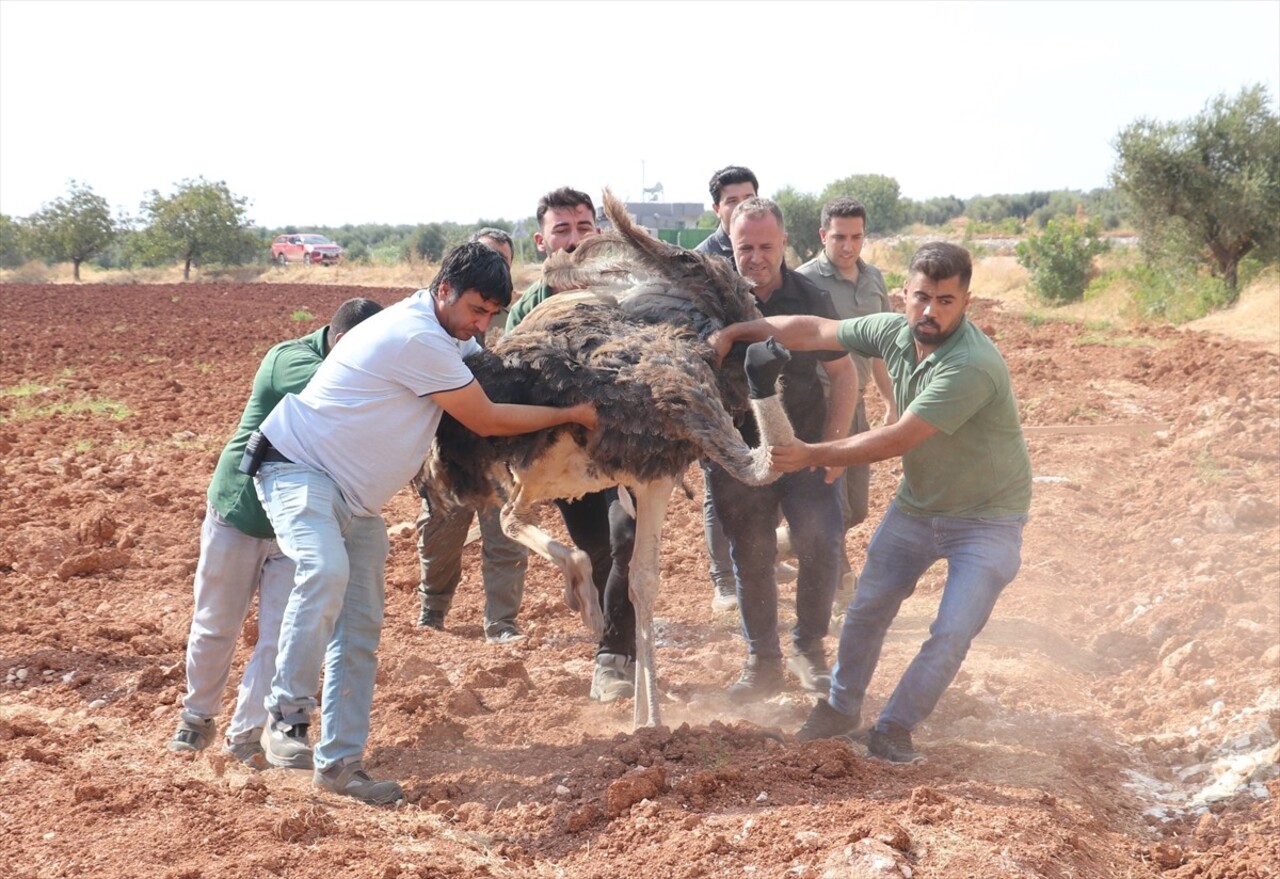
(760, 680)
(889, 741)
(285, 746)
(826, 722)
(432, 619)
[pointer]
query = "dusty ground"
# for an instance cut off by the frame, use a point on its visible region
(1118, 717)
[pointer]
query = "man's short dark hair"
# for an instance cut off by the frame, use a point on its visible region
(730, 175)
(939, 260)
(564, 198)
(351, 313)
(843, 206)
(475, 266)
(501, 236)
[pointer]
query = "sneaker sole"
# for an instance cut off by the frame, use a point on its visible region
(300, 761)
(614, 694)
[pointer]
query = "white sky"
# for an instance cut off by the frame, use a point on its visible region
(329, 112)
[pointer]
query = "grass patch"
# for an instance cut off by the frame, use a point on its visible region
(1208, 468)
(302, 315)
(1106, 340)
(112, 409)
(26, 389)
(1035, 318)
(35, 401)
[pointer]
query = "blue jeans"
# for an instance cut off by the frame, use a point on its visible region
(750, 518)
(334, 615)
(983, 556)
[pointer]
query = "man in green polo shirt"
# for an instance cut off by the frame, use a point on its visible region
(239, 557)
(964, 497)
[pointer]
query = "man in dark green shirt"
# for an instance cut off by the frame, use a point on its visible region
(964, 497)
(239, 557)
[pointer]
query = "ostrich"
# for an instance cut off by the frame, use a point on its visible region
(630, 338)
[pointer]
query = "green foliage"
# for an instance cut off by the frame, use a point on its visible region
(301, 315)
(13, 244)
(935, 211)
(708, 220)
(1060, 259)
(427, 242)
(1213, 180)
(200, 222)
(1171, 290)
(886, 211)
(801, 214)
(74, 228)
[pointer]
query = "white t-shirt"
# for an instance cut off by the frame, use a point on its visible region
(366, 418)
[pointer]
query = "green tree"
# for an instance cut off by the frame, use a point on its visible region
(1216, 175)
(13, 245)
(886, 211)
(935, 211)
(1060, 259)
(201, 222)
(74, 228)
(427, 242)
(801, 214)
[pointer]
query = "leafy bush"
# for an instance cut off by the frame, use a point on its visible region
(1060, 259)
(1173, 292)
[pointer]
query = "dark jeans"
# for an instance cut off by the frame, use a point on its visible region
(717, 543)
(750, 518)
(599, 526)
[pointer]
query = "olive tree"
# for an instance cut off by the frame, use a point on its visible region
(1214, 178)
(801, 215)
(13, 244)
(200, 222)
(74, 228)
(881, 195)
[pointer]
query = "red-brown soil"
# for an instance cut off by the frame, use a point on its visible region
(1117, 718)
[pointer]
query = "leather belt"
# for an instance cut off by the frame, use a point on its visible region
(274, 455)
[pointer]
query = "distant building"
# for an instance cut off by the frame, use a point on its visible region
(665, 214)
(673, 222)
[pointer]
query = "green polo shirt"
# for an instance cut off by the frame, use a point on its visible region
(867, 296)
(537, 293)
(285, 369)
(977, 464)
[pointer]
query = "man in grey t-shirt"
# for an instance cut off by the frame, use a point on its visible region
(856, 289)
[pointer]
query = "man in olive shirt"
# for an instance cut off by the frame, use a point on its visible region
(565, 216)
(856, 289)
(239, 556)
(965, 492)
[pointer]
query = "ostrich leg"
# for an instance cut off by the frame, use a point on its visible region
(651, 510)
(579, 592)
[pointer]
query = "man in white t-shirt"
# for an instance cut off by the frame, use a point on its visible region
(337, 453)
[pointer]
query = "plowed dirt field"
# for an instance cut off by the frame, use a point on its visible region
(1117, 718)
